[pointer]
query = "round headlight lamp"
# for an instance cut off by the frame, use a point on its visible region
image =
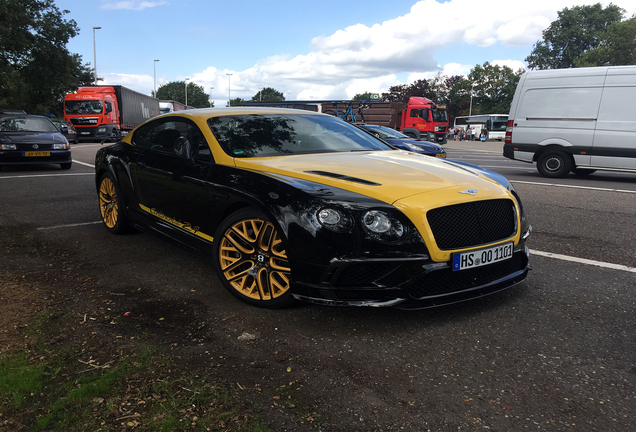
(376, 222)
(334, 219)
(382, 227)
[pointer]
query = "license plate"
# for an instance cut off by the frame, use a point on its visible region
(441, 155)
(481, 257)
(37, 153)
(85, 133)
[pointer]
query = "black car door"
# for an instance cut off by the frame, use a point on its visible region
(172, 191)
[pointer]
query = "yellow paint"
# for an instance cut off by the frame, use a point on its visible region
(184, 226)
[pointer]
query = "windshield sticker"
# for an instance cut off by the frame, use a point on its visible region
(184, 226)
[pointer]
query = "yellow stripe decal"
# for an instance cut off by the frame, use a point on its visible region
(184, 226)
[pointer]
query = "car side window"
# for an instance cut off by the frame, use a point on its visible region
(160, 136)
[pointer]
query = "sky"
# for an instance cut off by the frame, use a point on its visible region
(306, 49)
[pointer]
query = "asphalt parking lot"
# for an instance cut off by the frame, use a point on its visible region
(557, 353)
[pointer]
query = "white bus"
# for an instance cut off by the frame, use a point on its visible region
(494, 125)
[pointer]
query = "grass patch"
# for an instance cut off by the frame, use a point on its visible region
(140, 391)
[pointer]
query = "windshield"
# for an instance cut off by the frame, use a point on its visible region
(265, 135)
(26, 124)
(498, 125)
(385, 132)
(439, 115)
(83, 107)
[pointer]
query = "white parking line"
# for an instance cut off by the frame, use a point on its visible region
(574, 186)
(584, 261)
(70, 225)
(84, 163)
(46, 175)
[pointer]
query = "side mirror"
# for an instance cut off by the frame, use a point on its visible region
(183, 149)
(109, 107)
(64, 129)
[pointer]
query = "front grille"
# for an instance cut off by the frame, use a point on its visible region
(83, 121)
(446, 280)
(472, 224)
(29, 147)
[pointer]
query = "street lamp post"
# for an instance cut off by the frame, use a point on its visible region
(472, 90)
(95, 56)
(186, 92)
(155, 76)
(229, 97)
(211, 88)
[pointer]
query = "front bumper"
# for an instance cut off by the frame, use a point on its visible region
(411, 284)
(17, 157)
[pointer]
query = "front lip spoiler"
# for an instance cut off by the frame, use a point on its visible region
(356, 303)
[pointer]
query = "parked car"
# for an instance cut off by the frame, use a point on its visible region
(29, 139)
(404, 142)
(298, 205)
(67, 129)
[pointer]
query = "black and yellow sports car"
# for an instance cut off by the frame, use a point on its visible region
(293, 204)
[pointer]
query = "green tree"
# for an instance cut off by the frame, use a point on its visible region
(617, 48)
(493, 88)
(175, 90)
(456, 96)
(236, 102)
(268, 94)
(575, 32)
(402, 92)
(36, 68)
(364, 96)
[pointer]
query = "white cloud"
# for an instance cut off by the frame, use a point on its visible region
(131, 4)
(362, 58)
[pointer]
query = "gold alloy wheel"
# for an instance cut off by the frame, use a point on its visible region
(108, 203)
(253, 260)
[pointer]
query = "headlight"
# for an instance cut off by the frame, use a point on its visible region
(101, 130)
(334, 219)
(381, 226)
(59, 146)
(9, 147)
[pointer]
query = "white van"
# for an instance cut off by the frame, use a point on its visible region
(577, 120)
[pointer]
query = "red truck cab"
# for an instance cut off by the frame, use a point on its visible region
(93, 111)
(423, 119)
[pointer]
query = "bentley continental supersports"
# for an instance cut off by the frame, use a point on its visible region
(295, 205)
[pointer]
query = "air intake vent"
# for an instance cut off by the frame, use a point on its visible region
(343, 177)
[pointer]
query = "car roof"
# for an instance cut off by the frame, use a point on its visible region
(205, 113)
(20, 115)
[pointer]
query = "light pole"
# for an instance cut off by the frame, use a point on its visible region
(95, 56)
(186, 92)
(472, 89)
(155, 76)
(211, 88)
(229, 97)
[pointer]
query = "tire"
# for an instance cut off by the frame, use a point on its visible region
(554, 164)
(66, 165)
(583, 171)
(251, 260)
(111, 207)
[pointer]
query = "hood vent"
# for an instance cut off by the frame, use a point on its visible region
(343, 177)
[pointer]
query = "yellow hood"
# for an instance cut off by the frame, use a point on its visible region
(384, 175)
